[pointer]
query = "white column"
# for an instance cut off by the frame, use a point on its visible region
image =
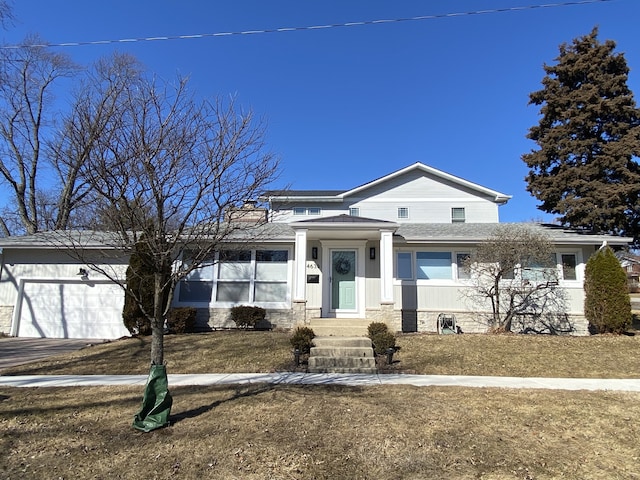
(386, 266)
(300, 290)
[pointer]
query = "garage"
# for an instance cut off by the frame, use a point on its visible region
(80, 309)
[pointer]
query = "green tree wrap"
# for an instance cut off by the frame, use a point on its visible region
(156, 403)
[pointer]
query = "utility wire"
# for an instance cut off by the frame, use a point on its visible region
(313, 27)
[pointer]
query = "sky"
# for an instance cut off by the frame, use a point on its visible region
(347, 105)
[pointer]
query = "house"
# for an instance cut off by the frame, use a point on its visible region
(389, 250)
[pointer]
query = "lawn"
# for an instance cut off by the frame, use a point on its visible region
(323, 432)
(600, 356)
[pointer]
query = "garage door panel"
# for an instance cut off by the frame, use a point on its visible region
(71, 310)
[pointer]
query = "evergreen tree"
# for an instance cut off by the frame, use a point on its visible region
(589, 137)
(606, 305)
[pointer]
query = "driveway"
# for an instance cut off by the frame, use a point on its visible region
(16, 351)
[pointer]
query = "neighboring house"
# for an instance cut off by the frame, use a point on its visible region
(631, 265)
(389, 250)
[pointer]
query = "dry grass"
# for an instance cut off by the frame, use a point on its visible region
(312, 432)
(604, 356)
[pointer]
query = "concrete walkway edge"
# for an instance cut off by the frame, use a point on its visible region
(287, 378)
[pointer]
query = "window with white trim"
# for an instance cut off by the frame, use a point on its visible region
(457, 215)
(568, 263)
(354, 211)
(404, 266)
(240, 277)
(299, 211)
(462, 266)
(433, 265)
(403, 212)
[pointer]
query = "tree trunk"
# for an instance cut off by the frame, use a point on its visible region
(157, 325)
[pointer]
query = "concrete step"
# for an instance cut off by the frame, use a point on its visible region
(341, 342)
(342, 355)
(341, 351)
(340, 327)
(328, 363)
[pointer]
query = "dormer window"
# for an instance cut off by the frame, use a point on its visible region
(403, 212)
(313, 211)
(299, 211)
(457, 215)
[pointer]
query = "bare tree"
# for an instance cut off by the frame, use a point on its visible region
(27, 78)
(166, 171)
(514, 276)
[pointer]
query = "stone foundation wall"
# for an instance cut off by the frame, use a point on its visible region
(216, 318)
(473, 323)
(6, 312)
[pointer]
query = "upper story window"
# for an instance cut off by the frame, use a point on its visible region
(354, 211)
(403, 212)
(306, 211)
(457, 215)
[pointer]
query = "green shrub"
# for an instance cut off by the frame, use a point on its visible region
(375, 328)
(245, 316)
(383, 341)
(607, 306)
(302, 339)
(140, 291)
(381, 337)
(182, 320)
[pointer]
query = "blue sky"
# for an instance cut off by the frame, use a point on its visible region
(347, 105)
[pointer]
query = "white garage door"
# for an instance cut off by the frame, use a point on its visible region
(71, 310)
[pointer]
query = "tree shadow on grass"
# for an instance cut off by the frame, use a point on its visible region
(240, 392)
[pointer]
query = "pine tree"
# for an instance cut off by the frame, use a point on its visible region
(606, 305)
(589, 137)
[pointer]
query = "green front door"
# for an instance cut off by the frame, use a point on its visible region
(343, 280)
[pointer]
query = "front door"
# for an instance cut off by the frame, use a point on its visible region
(343, 280)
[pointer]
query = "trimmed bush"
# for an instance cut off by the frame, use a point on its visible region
(247, 317)
(302, 339)
(607, 305)
(381, 337)
(182, 320)
(375, 328)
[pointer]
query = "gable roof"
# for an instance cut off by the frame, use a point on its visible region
(339, 195)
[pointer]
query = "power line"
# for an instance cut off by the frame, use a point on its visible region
(313, 27)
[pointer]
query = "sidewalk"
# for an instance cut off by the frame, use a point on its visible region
(285, 378)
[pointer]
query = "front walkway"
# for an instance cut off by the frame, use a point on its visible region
(285, 378)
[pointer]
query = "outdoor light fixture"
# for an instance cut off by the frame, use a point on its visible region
(83, 272)
(372, 253)
(314, 253)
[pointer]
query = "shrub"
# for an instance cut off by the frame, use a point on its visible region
(246, 316)
(140, 291)
(381, 337)
(302, 339)
(182, 319)
(375, 328)
(607, 306)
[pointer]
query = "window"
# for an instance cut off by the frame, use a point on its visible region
(433, 265)
(354, 211)
(306, 211)
(568, 263)
(462, 266)
(404, 264)
(241, 276)
(198, 284)
(403, 212)
(457, 215)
